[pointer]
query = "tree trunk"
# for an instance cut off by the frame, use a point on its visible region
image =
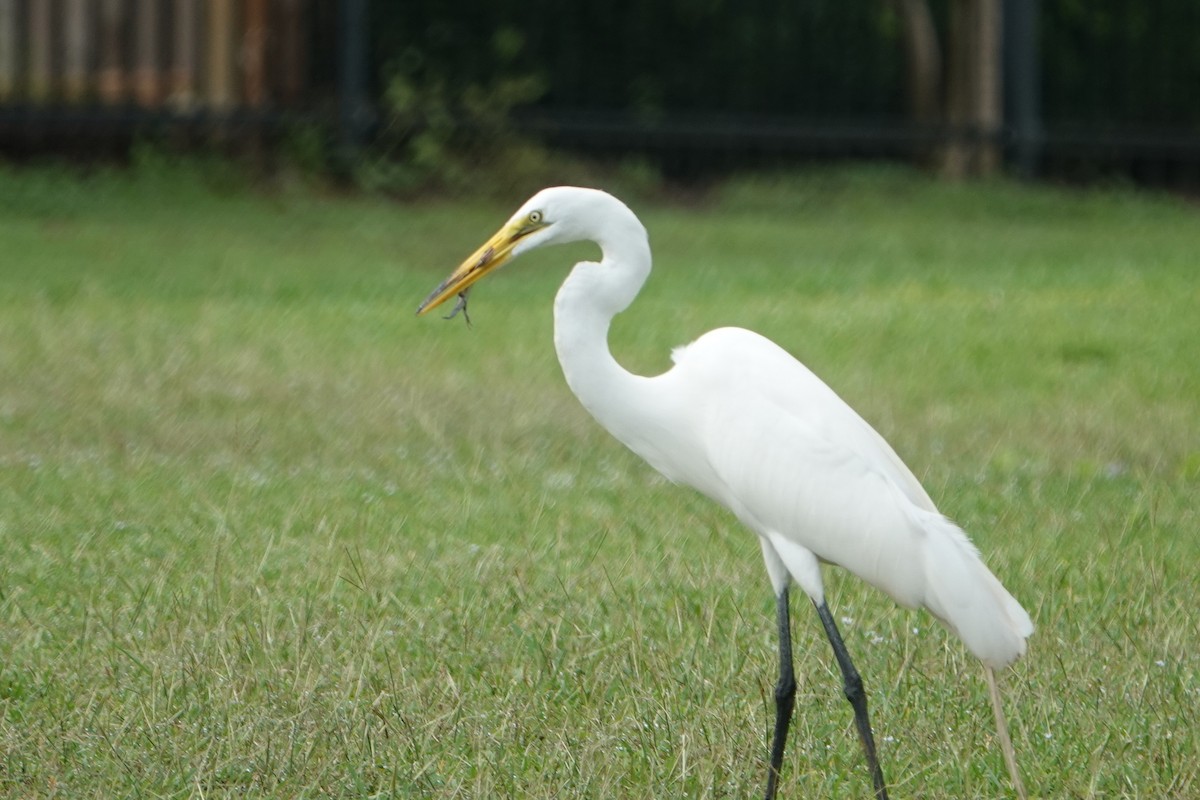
(923, 78)
(989, 108)
(973, 98)
(923, 73)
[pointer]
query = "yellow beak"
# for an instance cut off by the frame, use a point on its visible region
(494, 253)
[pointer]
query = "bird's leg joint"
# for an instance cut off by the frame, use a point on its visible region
(853, 687)
(785, 689)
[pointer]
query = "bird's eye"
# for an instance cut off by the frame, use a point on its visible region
(535, 217)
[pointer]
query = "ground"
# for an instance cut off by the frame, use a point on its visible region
(265, 533)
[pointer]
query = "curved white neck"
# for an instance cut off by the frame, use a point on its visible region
(583, 309)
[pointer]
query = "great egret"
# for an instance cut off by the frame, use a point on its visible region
(752, 428)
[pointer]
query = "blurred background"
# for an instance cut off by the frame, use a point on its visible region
(265, 533)
(407, 95)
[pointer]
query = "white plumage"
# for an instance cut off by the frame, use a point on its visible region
(751, 427)
(799, 467)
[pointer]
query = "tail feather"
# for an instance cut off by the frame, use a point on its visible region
(968, 598)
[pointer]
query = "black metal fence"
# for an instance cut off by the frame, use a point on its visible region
(1090, 89)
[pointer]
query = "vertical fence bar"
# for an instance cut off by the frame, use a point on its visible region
(40, 55)
(8, 49)
(291, 50)
(1023, 64)
(254, 53)
(146, 79)
(220, 55)
(353, 113)
(110, 82)
(76, 49)
(183, 55)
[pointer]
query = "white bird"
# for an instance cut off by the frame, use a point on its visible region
(748, 425)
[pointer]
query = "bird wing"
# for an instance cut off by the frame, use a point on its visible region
(790, 457)
(792, 460)
(746, 369)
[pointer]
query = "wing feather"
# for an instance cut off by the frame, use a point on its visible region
(791, 459)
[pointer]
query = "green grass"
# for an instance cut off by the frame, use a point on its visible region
(263, 533)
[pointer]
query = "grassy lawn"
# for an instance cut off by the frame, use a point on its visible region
(263, 533)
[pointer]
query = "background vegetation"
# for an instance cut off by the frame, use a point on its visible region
(1122, 62)
(263, 533)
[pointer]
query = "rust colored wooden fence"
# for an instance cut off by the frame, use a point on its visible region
(170, 56)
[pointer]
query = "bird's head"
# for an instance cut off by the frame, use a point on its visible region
(545, 218)
(557, 215)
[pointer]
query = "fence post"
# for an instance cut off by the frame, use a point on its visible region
(354, 114)
(1024, 68)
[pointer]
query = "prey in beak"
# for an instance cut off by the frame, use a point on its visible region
(461, 305)
(493, 254)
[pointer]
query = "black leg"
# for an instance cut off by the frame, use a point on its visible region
(856, 696)
(785, 693)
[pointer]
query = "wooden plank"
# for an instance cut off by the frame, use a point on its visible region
(41, 75)
(147, 82)
(254, 53)
(221, 72)
(110, 79)
(8, 49)
(77, 50)
(292, 50)
(184, 46)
